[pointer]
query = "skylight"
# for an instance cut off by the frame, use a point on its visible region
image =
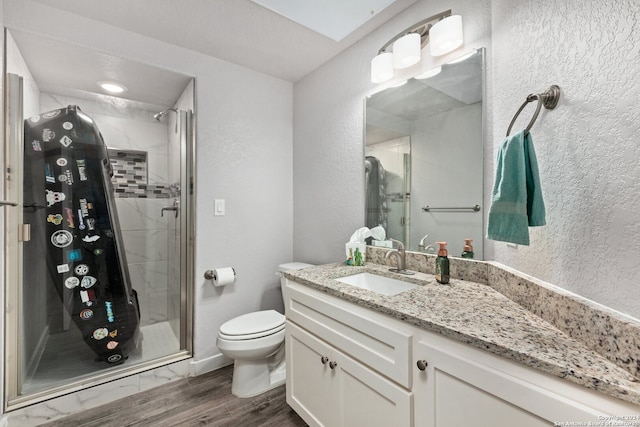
(335, 19)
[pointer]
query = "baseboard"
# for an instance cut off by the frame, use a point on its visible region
(202, 366)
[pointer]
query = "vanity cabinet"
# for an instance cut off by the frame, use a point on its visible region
(350, 366)
(329, 388)
(345, 367)
(456, 384)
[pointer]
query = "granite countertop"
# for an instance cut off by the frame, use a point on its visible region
(480, 316)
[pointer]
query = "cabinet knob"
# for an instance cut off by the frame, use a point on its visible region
(324, 360)
(333, 364)
(422, 364)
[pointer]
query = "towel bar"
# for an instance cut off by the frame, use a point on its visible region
(549, 99)
(475, 208)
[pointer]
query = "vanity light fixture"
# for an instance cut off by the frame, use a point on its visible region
(406, 51)
(443, 32)
(446, 35)
(112, 87)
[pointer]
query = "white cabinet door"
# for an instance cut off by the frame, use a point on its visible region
(340, 391)
(312, 390)
(369, 399)
(456, 389)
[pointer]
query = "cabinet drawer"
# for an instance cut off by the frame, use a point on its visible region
(380, 342)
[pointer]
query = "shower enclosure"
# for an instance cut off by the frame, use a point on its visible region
(50, 252)
(388, 186)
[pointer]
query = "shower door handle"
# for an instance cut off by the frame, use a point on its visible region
(169, 208)
(175, 208)
(8, 203)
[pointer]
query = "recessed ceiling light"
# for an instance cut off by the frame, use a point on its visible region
(112, 87)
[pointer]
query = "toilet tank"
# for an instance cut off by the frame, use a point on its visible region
(289, 266)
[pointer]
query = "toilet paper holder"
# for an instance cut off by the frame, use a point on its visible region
(210, 274)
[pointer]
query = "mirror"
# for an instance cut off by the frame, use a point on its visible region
(424, 158)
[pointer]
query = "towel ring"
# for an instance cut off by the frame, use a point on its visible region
(549, 99)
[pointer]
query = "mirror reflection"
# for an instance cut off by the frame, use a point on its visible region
(424, 158)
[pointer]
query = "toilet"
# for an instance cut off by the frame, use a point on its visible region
(256, 343)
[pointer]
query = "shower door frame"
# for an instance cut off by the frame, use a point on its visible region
(13, 178)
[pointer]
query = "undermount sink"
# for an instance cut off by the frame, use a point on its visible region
(379, 284)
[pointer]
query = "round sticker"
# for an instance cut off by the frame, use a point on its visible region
(86, 314)
(88, 281)
(67, 125)
(81, 269)
(114, 358)
(61, 161)
(35, 119)
(62, 178)
(100, 333)
(72, 282)
(51, 114)
(112, 344)
(61, 238)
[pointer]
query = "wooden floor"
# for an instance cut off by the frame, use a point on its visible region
(196, 401)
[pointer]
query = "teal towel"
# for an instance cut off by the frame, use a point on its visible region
(516, 200)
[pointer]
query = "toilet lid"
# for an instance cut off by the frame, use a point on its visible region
(253, 323)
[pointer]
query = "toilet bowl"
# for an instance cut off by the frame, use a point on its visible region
(256, 343)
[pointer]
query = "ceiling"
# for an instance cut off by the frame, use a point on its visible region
(148, 88)
(241, 31)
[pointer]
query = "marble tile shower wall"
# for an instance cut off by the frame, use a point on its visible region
(173, 291)
(145, 235)
(149, 236)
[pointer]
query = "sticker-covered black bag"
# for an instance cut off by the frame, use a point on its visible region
(69, 203)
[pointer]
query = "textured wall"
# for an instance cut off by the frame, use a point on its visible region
(328, 129)
(587, 147)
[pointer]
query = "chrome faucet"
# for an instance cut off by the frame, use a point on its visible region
(422, 248)
(400, 255)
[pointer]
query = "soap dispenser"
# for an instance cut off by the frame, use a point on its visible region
(468, 249)
(442, 264)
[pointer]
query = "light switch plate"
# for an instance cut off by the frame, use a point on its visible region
(219, 207)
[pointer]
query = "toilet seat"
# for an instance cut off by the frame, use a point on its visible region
(252, 325)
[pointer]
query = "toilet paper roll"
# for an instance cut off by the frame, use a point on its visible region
(223, 276)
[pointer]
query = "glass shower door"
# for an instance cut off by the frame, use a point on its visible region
(88, 301)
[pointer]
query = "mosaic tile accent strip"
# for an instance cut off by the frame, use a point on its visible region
(142, 191)
(130, 176)
(129, 167)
